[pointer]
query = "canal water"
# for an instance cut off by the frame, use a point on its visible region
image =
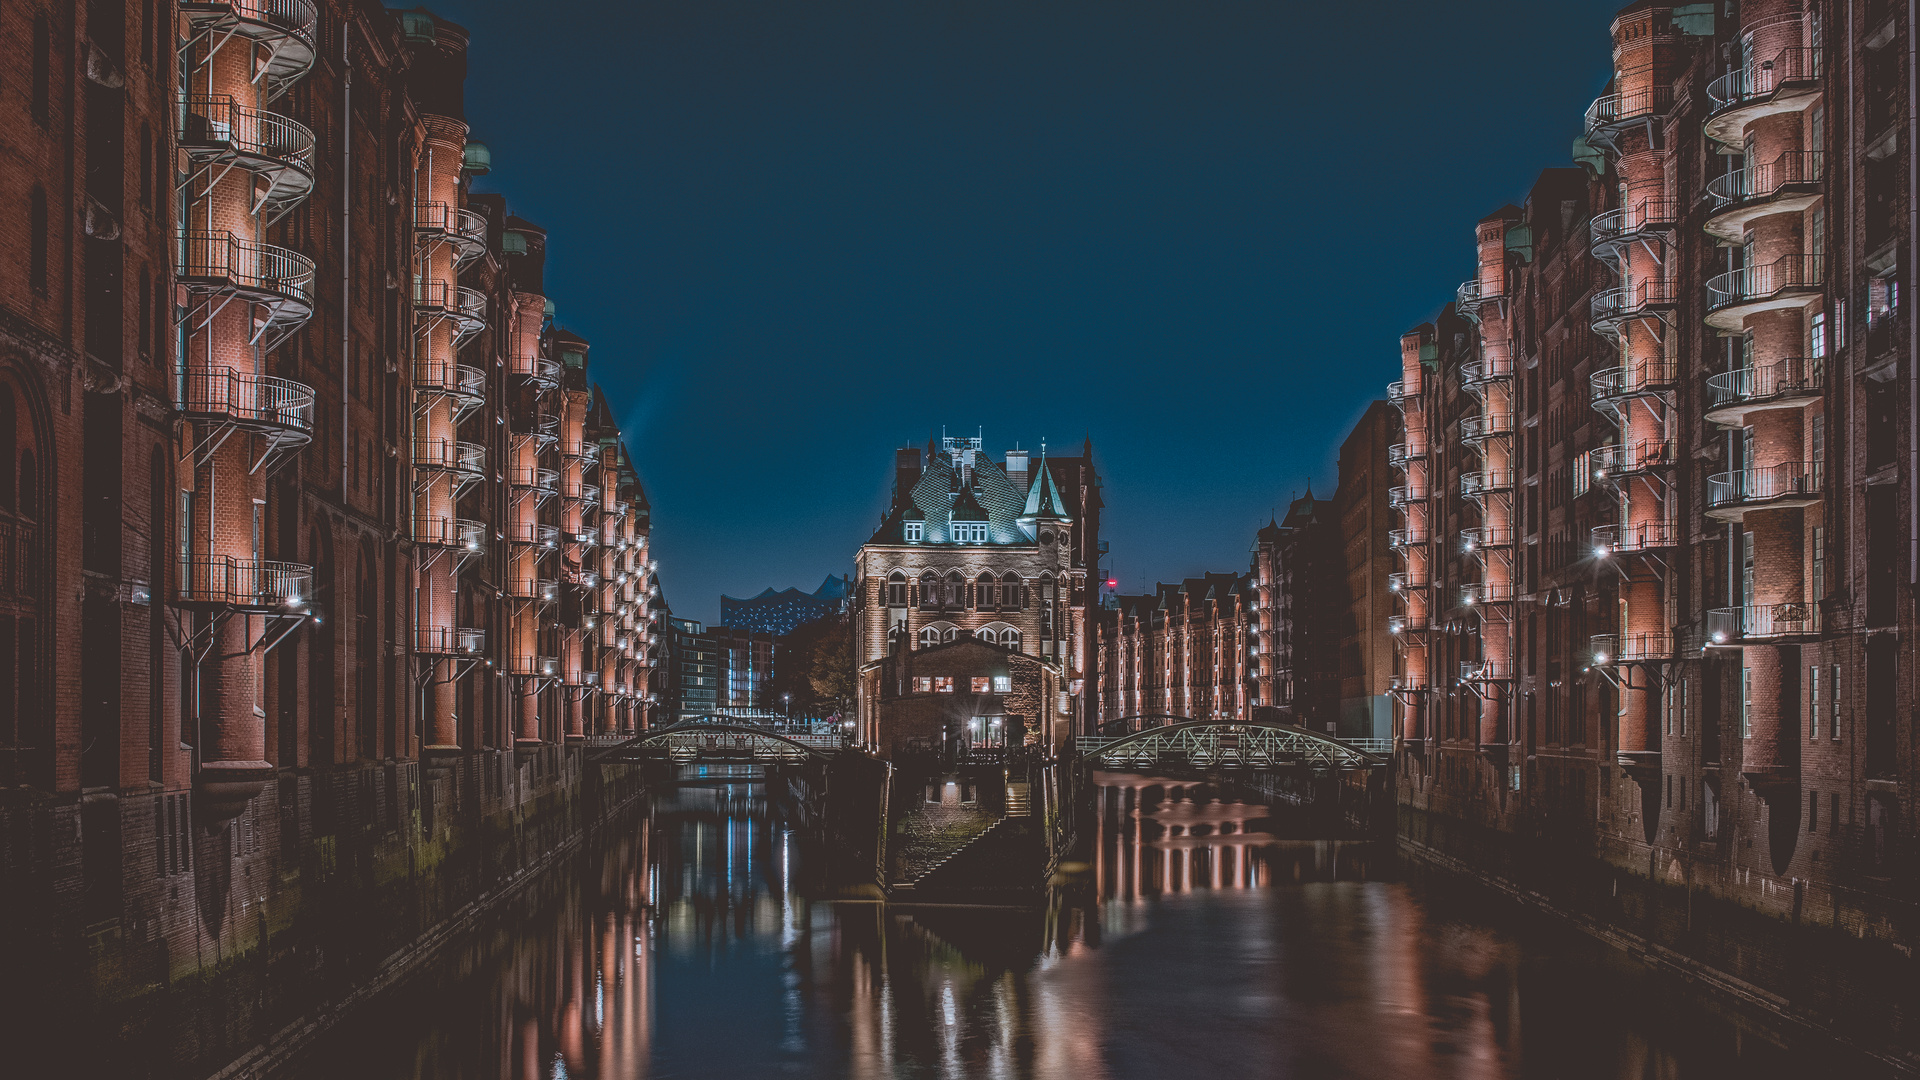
(703, 941)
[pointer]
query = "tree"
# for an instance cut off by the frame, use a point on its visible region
(832, 674)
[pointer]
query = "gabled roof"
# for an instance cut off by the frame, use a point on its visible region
(1043, 499)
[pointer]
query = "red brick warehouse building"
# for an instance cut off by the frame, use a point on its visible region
(1657, 541)
(302, 487)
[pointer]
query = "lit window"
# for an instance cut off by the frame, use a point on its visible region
(913, 531)
(1003, 684)
(923, 684)
(943, 684)
(981, 684)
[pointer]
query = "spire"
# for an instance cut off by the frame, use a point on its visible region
(1043, 499)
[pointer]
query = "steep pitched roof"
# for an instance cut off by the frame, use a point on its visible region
(1043, 498)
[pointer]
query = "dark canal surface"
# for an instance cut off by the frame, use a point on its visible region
(701, 943)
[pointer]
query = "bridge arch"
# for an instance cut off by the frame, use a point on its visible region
(1222, 742)
(720, 735)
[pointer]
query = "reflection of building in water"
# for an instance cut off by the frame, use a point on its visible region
(1164, 836)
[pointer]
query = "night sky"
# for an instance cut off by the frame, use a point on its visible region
(802, 233)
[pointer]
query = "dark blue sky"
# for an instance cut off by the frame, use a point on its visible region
(800, 233)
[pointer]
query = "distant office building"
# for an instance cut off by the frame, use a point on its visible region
(693, 671)
(745, 659)
(780, 613)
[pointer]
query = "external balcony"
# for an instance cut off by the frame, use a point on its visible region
(1788, 184)
(1762, 623)
(1731, 395)
(449, 641)
(1611, 540)
(532, 666)
(589, 454)
(1481, 372)
(1401, 495)
(1485, 482)
(545, 482)
(1406, 538)
(590, 494)
(1608, 117)
(466, 461)
(1645, 221)
(1732, 495)
(465, 308)
(1611, 650)
(1398, 394)
(469, 537)
(1400, 581)
(586, 538)
(283, 31)
(462, 230)
(1485, 671)
(1612, 463)
(1480, 427)
(1471, 294)
(1635, 379)
(245, 584)
(465, 384)
(1786, 82)
(1485, 538)
(537, 590)
(1791, 281)
(1481, 593)
(542, 374)
(1615, 308)
(1407, 682)
(534, 534)
(1398, 454)
(281, 410)
(219, 133)
(586, 678)
(1407, 624)
(224, 266)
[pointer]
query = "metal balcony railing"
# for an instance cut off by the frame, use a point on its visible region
(449, 640)
(1470, 295)
(1400, 495)
(1398, 454)
(450, 455)
(1753, 284)
(1486, 425)
(1761, 79)
(1486, 592)
(1473, 485)
(1480, 372)
(1626, 539)
(543, 373)
(1614, 110)
(218, 260)
(1614, 306)
(1605, 649)
(539, 479)
(448, 299)
(1789, 480)
(590, 493)
(255, 585)
(1633, 379)
(468, 536)
(1611, 462)
(534, 533)
(1401, 581)
(1618, 226)
(1729, 626)
(543, 590)
(1480, 537)
(1402, 538)
(1413, 622)
(1407, 682)
(1792, 169)
(221, 127)
(464, 229)
(1793, 377)
(589, 453)
(253, 400)
(1477, 671)
(1397, 393)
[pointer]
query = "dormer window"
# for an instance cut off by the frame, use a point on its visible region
(914, 531)
(969, 532)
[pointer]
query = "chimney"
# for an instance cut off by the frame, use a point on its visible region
(1017, 470)
(906, 470)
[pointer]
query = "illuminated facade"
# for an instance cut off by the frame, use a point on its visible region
(302, 491)
(995, 551)
(1181, 652)
(1657, 484)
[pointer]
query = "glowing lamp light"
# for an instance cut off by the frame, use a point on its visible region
(1113, 583)
(1601, 551)
(1719, 637)
(1600, 658)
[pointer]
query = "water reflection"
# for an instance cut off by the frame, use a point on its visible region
(1208, 942)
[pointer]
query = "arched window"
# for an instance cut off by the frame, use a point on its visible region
(929, 635)
(1013, 594)
(897, 589)
(366, 684)
(26, 710)
(929, 592)
(949, 634)
(989, 636)
(983, 592)
(1011, 639)
(956, 589)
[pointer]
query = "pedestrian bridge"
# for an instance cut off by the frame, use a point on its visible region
(1179, 740)
(717, 741)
